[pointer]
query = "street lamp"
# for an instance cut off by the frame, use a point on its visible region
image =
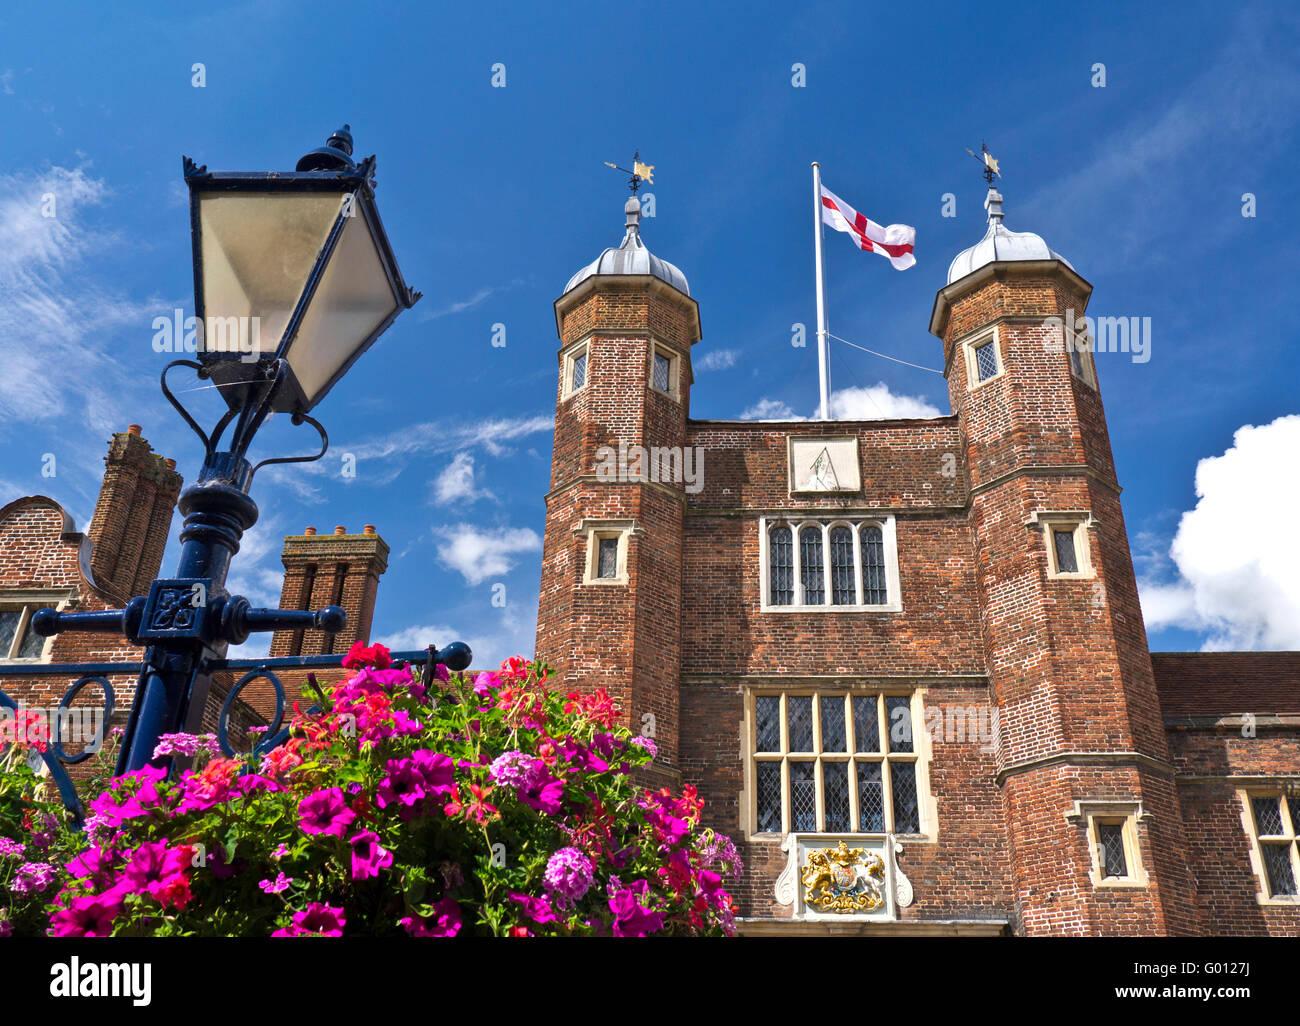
(294, 279)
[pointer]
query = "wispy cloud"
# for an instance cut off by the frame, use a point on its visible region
(456, 483)
(493, 638)
(477, 299)
(717, 359)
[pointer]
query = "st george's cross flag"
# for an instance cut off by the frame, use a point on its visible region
(894, 241)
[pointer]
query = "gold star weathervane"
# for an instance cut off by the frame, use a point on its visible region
(988, 160)
(640, 172)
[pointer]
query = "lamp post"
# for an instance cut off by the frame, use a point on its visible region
(294, 279)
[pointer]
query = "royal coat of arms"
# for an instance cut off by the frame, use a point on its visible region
(844, 879)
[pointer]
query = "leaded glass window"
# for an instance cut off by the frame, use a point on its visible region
(1076, 356)
(810, 559)
(780, 554)
(986, 360)
(579, 372)
(608, 556)
(1110, 841)
(1066, 560)
(845, 770)
(663, 368)
(843, 590)
(875, 588)
(1277, 832)
(17, 639)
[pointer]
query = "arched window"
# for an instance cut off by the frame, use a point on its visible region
(843, 591)
(810, 563)
(780, 548)
(875, 588)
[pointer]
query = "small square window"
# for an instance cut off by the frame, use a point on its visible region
(1066, 538)
(607, 551)
(986, 360)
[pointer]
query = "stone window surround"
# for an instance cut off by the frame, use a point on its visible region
(1079, 521)
(29, 600)
(826, 521)
(974, 341)
(568, 356)
(927, 808)
(674, 371)
(1244, 795)
(1083, 344)
(1092, 811)
(592, 531)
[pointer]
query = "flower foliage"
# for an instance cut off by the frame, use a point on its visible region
(499, 805)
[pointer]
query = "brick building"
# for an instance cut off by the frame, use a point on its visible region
(904, 661)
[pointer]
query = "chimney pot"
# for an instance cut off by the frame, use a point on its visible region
(169, 463)
(340, 530)
(368, 529)
(309, 530)
(133, 429)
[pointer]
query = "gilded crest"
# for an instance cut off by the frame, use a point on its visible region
(844, 879)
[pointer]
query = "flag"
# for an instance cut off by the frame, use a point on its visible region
(894, 241)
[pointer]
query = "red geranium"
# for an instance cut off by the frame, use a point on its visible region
(360, 655)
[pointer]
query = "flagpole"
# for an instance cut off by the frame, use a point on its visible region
(823, 363)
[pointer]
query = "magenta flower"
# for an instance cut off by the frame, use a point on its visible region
(316, 920)
(91, 916)
(543, 792)
(631, 918)
(10, 849)
(537, 909)
(648, 743)
(568, 876)
(368, 858)
(32, 878)
(155, 868)
(404, 784)
(281, 883)
(512, 768)
(325, 812)
(444, 921)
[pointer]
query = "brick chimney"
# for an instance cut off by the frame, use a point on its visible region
(133, 515)
(338, 569)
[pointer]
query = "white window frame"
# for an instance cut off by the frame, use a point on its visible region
(594, 531)
(919, 757)
(1265, 896)
(889, 536)
(976, 341)
(27, 602)
(1092, 813)
(674, 371)
(570, 356)
(1077, 523)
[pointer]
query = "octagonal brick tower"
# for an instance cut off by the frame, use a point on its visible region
(610, 607)
(1083, 759)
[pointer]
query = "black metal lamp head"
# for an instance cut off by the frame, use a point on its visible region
(335, 155)
(294, 276)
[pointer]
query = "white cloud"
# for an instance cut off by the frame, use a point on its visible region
(1238, 564)
(872, 402)
(477, 299)
(717, 359)
(456, 482)
(477, 554)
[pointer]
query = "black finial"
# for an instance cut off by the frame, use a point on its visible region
(335, 155)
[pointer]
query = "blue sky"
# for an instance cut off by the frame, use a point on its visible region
(493, 197)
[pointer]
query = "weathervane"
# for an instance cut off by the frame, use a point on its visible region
(640, 172)
(988, 160)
